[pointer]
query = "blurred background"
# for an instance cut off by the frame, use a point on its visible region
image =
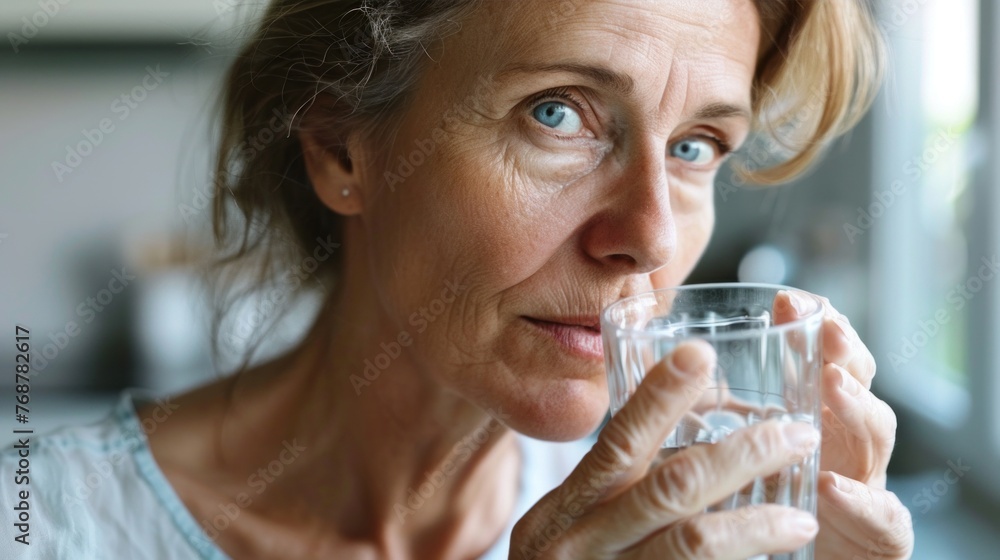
(105, 122)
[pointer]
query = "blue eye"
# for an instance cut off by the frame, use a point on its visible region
(694, 150)
(559, 116)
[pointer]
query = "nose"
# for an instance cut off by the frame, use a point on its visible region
(634, 228)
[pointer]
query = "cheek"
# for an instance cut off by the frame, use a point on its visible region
(694, 230)
(478, 204)
(548, 167)
(463, 217)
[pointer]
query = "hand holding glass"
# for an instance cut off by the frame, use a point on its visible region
(763, 371)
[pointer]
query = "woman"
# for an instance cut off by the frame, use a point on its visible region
(476, 180)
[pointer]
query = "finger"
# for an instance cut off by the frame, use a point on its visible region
(696, 477)
(742, 533)
(717, 391)
(843, 346)
(865, 416)
(790, 305)
(719, 401)
(860, 421)
(626, 445)
(856, 519)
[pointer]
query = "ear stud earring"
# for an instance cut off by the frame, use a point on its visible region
(345, 192)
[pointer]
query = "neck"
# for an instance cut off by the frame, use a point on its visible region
(387, 456)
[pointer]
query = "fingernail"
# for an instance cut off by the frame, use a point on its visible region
(843, 325)
(839, 485)
(798, 302)
(688, 360)
(847, 383)
(801, 436)
(805, 523)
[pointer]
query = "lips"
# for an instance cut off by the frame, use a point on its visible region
(580, 336)
(591, 322)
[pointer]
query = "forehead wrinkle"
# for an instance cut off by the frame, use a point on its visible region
(587, 23)
(625, 44)
(677, 86)
(710, 88)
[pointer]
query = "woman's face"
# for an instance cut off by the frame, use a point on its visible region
(555, 157)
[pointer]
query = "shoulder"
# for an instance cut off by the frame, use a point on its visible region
(83, 491)
(48, 476)
(72, 458)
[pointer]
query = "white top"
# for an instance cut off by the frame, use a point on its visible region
(95, 492)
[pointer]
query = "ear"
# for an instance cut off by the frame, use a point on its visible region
(334, 173)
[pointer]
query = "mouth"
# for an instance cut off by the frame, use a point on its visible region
(580, 336)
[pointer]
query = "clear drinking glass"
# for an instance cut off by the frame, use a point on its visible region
(763, 371)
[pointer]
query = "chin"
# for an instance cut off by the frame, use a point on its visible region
(555, 410)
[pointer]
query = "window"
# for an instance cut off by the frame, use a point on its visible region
(932, 217)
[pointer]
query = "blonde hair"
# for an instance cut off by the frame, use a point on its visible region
(339, 65)
(822, 64)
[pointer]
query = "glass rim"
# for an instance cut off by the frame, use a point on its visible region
(607, 325)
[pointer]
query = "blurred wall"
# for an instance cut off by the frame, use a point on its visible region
(102, 145)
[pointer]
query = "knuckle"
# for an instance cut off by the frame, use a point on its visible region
(870, 359)
(615, 447)
(872, 406)
(891, 421)
(762, 515)
(675, 486)
(530, 541)
(695, 540)
(869, 366)
(864, 500)
(842, 318)
(762, 443)
(518, 533)
(898, 536)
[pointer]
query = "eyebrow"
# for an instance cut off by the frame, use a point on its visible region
(622, 84)
(723, 111)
